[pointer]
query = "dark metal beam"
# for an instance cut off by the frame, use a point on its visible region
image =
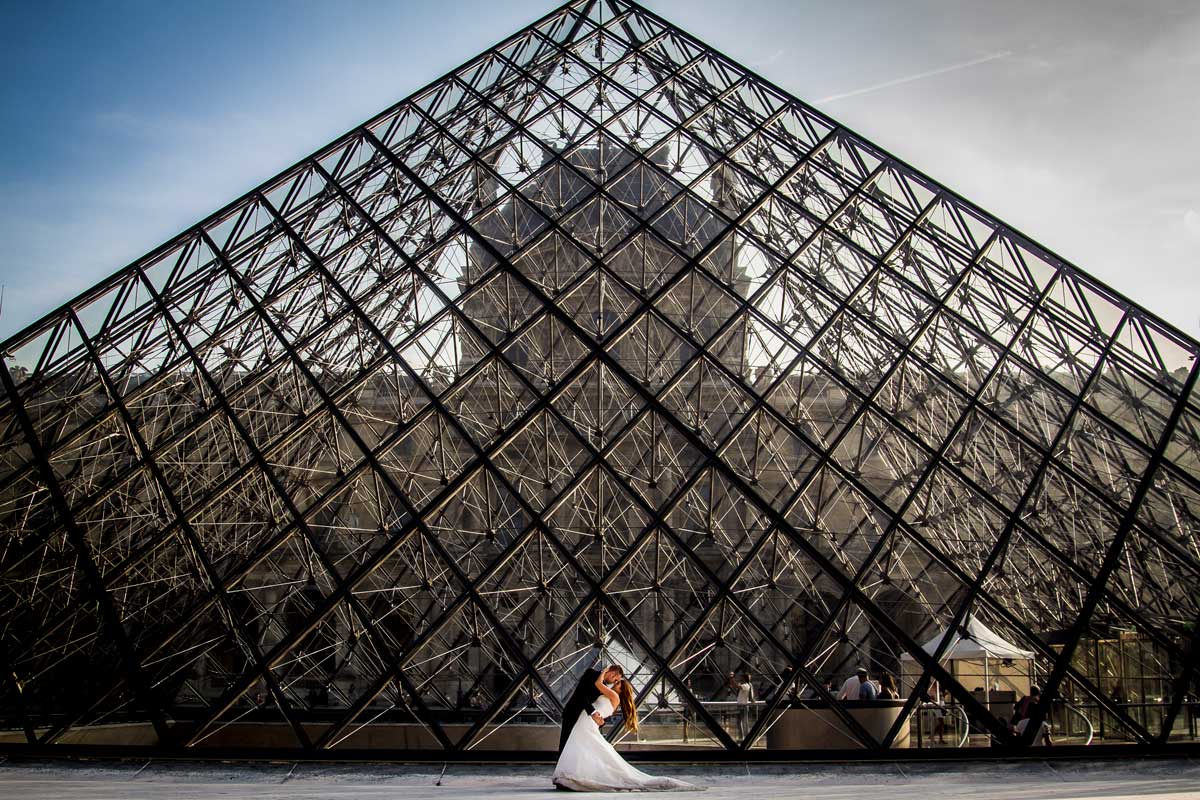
(1096, 591)
(77, 536)
(730, 476)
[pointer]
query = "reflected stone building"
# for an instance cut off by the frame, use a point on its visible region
(598, 347)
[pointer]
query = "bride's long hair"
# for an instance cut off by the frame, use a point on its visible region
(628, 707)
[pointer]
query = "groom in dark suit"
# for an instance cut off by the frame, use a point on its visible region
(584, 699)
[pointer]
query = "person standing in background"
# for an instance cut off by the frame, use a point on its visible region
(867, 688)
(745, 699)
(850, 689)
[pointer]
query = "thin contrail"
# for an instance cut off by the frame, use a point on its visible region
(917, 77)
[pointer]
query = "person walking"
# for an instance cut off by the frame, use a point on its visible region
(689, 713)
(938, 703)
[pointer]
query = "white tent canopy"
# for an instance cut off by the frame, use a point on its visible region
(974, 640)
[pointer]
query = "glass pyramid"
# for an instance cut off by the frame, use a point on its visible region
(599, 347)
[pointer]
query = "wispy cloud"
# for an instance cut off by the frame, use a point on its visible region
(917, 77)
(771, 59)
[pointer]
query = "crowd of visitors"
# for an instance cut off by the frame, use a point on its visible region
(739, 688)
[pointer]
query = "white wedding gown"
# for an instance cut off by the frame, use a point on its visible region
(590, 764)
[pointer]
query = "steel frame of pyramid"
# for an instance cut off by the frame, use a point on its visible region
(598, 336)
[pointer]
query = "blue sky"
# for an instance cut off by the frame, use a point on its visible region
(125, 122)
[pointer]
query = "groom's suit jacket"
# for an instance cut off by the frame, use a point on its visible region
(583, 699)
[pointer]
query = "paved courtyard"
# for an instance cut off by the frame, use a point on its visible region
(185, 781)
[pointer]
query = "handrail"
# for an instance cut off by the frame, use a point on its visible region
(947, 710)
(1087, 720)
(966, 726)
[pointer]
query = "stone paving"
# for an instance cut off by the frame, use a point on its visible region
(202, 781)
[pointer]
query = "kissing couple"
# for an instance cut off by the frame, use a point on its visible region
(587, 762)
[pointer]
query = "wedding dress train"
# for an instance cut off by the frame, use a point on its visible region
(588, 762)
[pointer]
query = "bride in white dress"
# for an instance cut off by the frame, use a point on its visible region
(588, 762)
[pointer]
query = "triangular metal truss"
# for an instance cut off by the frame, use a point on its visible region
(599, 340)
